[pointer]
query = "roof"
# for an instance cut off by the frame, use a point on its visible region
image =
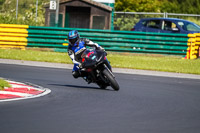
(172, 19)
(103, 6)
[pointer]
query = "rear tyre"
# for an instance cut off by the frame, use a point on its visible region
(111, 79)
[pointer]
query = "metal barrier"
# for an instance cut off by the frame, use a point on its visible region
(48, 37)
(194, 45)
(13, 36)
(117, 41)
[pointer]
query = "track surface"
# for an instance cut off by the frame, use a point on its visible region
(145, 104)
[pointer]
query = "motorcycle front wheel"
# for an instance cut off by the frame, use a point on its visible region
(111, 79)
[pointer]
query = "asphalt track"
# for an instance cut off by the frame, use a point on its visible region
(144, 104)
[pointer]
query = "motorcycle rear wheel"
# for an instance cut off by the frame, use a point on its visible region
(111, 79)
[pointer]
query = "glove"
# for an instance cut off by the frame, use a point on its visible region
(80, 65)
(100, 48)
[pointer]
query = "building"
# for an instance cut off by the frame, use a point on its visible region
(81, 14)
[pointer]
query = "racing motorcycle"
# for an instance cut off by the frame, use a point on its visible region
(95, 68)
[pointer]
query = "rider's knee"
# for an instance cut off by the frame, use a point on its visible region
(76, 74)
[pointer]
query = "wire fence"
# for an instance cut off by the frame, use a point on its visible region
(126, 20)
(29, 12)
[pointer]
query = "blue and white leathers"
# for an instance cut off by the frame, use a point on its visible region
(76, 50)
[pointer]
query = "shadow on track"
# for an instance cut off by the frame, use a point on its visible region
(82, 87)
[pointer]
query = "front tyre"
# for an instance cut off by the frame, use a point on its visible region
(102, 85)
(111, 79)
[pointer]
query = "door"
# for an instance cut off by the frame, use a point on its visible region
(98, 22)
(77, 17)
(153, 26)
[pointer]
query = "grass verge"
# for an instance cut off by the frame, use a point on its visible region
(4, 84)
(132, 61)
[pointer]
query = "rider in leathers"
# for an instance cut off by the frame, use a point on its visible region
(76, 47)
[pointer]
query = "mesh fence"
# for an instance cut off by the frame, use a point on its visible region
(23, 12)
(126, 20)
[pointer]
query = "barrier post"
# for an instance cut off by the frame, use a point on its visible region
(192, 46)
(198, 44)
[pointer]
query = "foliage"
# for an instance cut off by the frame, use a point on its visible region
(4, 84)
(1, 2)
(171, 6)
(26, 12)
(137, 5)
(181, 6)
(126, 23)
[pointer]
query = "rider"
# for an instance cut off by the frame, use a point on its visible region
(76, 47)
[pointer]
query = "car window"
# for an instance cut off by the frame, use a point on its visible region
(188, 26)
(191, 27)
(153, 24)
(144, 23)
(168, 25)
(181, 24)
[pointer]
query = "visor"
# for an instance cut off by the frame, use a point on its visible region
(73, 41)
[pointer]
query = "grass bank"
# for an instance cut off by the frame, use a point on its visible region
(4, 84)
(133, 61)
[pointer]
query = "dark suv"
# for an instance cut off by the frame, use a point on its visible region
(166, 25)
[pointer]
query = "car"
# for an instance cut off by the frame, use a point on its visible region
(166, 25)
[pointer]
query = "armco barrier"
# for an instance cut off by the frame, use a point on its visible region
(118, 41)
(13, 36)
(191, 51)
(197, 46)
(48, 37)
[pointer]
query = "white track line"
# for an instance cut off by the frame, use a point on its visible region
(16, 93)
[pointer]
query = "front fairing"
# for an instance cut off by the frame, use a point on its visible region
(92, 58)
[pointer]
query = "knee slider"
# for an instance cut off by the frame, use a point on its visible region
(75, 74)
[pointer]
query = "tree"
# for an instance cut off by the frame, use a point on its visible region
(171, 6)
(137, 5)
(2, 1)
(181, 6)
(26, 12)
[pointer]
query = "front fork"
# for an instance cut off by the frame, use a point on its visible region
(108, 64)
(109, 70)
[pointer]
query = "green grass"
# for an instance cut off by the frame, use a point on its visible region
(4, 84)
(158, 63)
(34, 55)
(132, 61)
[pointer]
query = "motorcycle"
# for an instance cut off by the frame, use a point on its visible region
(95, 68)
